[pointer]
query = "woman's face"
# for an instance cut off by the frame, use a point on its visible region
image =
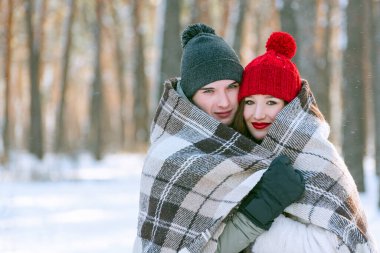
(259, 113)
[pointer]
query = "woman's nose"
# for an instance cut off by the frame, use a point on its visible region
(259, 113)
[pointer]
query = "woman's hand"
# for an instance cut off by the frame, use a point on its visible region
(279, 187)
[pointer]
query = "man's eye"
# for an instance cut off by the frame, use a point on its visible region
(233, 85)
(207, 91)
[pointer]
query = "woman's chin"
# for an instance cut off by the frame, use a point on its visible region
(259, 136)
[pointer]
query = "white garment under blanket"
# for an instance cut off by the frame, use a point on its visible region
(289, 236)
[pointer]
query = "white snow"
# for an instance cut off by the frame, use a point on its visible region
(89, 207)
(78, 205)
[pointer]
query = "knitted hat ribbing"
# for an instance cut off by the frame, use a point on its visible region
(273, 73)
(206, 58)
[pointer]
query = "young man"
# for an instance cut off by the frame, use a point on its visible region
(210, 73)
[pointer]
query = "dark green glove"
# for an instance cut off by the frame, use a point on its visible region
(279, 186)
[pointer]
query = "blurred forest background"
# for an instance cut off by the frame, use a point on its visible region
(86, 75)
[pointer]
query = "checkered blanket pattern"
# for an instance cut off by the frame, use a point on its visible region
(197, 170)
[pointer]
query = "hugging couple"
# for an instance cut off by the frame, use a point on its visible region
(240, 159)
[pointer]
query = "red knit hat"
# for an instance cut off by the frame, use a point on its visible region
(273, 73)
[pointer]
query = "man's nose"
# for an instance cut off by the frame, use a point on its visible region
(223, 100)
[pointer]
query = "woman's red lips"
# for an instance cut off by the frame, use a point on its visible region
(260, 125)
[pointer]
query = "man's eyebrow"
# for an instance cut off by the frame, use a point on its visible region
(207, 88)
(234, 82)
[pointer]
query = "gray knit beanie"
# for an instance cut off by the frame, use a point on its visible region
(206, 58)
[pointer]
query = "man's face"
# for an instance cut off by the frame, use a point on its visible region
(219, 99)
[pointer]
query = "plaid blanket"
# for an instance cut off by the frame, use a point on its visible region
(197, 170)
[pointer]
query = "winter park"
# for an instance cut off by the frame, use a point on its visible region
(229, 104)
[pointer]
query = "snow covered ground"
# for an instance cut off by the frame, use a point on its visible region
(83, 206)
(91, 209)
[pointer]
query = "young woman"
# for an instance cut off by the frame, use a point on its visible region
(277, 110)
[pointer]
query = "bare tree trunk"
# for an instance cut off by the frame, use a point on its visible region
(322, 64)
(367, 78)
(21, 124)
(376, 77)
(140, 87)
(375, 62)
(200, 12)
(36, 138)
(235, 25)
(41, 35)
(169, 46)
(354, 118)
(7, 77)
(96, 116)
(60, 134)
(261, 18)
(288, 20)
(305, 17)
(307, 59)
(335, 59)
(120, 72)
(224, 17)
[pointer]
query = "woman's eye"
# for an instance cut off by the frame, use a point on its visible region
(249, 102)
(271, 102)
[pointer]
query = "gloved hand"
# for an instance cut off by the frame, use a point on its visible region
(279, 186)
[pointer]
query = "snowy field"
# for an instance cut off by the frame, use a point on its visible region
(88, 207)
(92, 210)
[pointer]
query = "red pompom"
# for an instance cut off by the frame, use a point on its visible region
(282, 43)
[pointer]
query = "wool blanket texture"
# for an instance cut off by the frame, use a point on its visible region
(197, 171)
